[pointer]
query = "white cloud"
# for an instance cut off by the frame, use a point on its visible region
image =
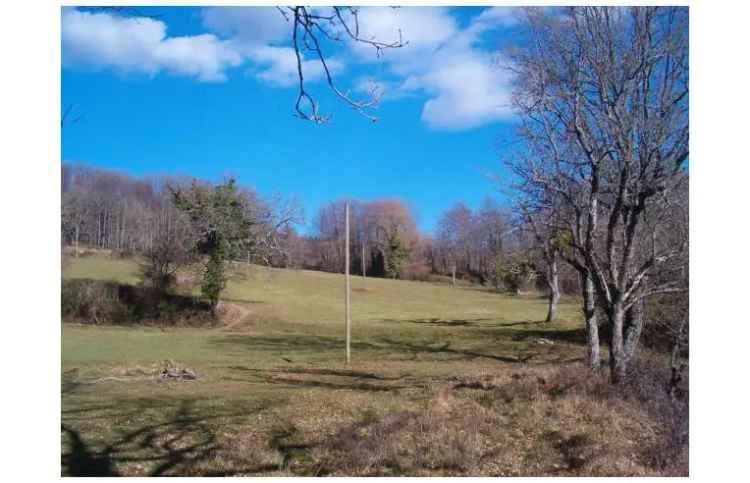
(464, 87)
(102, 40)
(504, 16)
(278, 65)
(424, 29)
(468, 92)
(247, 26)
(262, 34)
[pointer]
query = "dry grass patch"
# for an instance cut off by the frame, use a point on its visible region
(529, 422)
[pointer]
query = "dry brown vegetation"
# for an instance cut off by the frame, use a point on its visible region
(526, 421)
(529, 422)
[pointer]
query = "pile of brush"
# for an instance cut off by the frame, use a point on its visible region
(171, 372)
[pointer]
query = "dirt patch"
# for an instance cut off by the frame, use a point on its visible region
(238, 316)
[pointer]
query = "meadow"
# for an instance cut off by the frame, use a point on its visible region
(443, 381)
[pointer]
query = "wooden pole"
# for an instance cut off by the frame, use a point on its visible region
(348, 290)
(364, 265)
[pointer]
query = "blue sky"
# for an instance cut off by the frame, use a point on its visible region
(209, 92)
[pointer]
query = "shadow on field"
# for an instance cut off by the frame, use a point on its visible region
(354, 380)
(178, 445)
(445, 348)
(244, 301)
(480, 322)
(312, 344)
(572, 336)
(69, 382)
(340, 373)
(439, 322)
(292, 343)
(526, 323)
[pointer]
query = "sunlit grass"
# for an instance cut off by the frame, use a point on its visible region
(282, 363)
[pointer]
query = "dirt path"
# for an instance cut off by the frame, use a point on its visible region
(233, 315)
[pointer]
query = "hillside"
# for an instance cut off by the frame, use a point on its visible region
(272, 382)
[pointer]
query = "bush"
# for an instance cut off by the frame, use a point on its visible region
(92, 301)
(418, 271)
(106, 302)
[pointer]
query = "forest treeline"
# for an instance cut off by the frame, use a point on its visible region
(106, 209)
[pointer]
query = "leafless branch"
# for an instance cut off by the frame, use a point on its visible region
(308, 30)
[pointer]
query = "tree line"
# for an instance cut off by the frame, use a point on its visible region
(172, 222)
(106, 209)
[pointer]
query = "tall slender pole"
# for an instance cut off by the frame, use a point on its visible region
(364, 265)
(348, 288)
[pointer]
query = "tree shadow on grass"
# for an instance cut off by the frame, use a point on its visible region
(285, 343)
(83, 461)
(306, 344)
(69, 382)
(353, 381)
(526, 323)
(571, 336)
(244, 301)
(445, 348)
(182, 444)
(436, 322)
(340, 373)
(477, 322)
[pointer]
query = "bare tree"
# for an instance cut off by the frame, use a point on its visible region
(548, 242)
(170, 252)
(271, 236)
(454, 233)
(491, 226)
(75, 212)
(603, 95)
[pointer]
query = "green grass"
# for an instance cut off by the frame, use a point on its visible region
(279, 365)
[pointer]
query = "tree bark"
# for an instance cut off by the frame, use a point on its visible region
(617, 355)
(674, 361)
(632, 329)
(553, 281)
(592, 327)
(626, 327)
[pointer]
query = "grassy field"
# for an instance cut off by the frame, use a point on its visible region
(274, 392)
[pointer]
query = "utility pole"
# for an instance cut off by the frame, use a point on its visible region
(348, 289)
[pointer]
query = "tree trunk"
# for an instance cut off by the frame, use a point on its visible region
(674, 361)
(453, 274)
(617, 357)
(632, 329)
(553, 280)
(78, 229)
(592, 327)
